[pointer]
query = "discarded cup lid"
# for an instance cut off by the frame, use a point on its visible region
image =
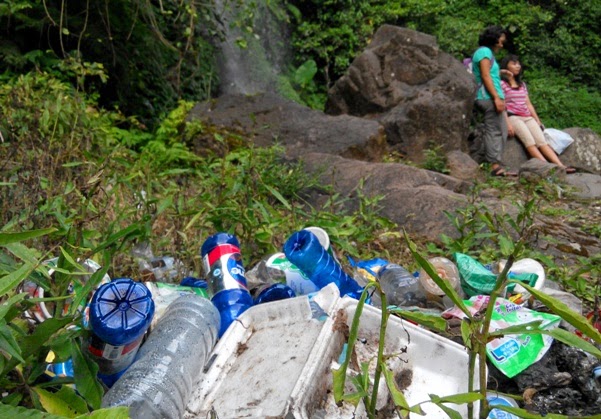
(496, 399)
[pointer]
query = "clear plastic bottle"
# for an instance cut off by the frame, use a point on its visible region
(223, 266)
(159, 383)
(120, 314)
(400, 286)
(305, 251)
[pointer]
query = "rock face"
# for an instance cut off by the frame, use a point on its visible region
(421, 95)
(267, 119)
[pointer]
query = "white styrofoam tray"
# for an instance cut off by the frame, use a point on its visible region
(277, 360)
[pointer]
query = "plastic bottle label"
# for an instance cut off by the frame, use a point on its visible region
(295, 278)
(113, 359)
(225, 268)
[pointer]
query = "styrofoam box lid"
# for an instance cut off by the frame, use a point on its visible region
(277, 360)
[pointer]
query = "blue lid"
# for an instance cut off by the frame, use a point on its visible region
(217, 239)
(275, 292)
(190, 281)
(121, 311)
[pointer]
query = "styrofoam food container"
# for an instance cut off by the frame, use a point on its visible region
(277, 359)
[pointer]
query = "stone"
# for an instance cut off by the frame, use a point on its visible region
(462, 166)
(420, 94)
(585, 152)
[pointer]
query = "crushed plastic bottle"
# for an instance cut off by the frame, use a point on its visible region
(159, 383)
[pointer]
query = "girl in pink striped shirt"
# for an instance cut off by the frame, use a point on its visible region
(522, 119)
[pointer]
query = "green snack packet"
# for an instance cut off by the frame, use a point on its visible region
(475, 278)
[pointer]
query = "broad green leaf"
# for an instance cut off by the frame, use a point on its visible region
(305, 73)
(397, 396)
(64, 402)
(466, 333)
(444, 285)
(506, 246)
(117, 412)
(6, 238)
(7, 411)
(561, 309)
(31, 344)
(11, 280)
(451, 413)
(430, 321)
(8, 344)
(85, 378)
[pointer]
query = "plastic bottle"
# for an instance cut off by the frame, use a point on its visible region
(159, 383)
(277, 268)
(225, 274)
(120, 314)
(305, 251)
(273, 292)
(400, 286)
(447, 271)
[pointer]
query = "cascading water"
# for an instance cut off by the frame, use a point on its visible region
(250, 61)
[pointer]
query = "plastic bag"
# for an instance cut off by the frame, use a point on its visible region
(557, 139)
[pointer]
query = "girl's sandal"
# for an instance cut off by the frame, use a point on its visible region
(570, 170)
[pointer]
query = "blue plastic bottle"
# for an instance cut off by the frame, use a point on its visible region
(225, 274)
(274, 292)
(306, 252)
(120, 314)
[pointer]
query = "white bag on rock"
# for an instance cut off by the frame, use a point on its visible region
(557, 139)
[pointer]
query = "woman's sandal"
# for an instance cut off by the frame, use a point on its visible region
(501, 172)
(570, 170)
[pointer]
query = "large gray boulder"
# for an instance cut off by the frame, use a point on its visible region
(420, 94)
(267, 119)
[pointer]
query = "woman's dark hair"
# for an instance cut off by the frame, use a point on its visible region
(505, 61)
(490, 36)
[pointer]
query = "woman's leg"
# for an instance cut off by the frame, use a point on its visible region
(523, 133)
(541, 143)
(495, 132)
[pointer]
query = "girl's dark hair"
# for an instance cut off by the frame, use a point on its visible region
(490, 36)
(505, 61)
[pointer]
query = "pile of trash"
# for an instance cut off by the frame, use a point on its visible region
(219, 345)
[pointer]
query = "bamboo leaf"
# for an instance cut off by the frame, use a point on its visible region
(8, 344)
(6, 238)
(8, 304)
(451, 413)
(573, 340)
(430, 321)
(466, 334)
(279, 197)
(459, 398)
(10, 281)
(561, 309)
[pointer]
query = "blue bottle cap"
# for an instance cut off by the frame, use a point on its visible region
(190, 281)
(121, 311)
(275, 292)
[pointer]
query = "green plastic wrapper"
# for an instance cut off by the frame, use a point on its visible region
(477, 280)
(512, 354)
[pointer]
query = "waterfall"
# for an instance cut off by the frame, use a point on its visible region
(250, 62)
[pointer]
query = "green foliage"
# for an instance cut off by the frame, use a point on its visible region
(435, 160)
(560, 104)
